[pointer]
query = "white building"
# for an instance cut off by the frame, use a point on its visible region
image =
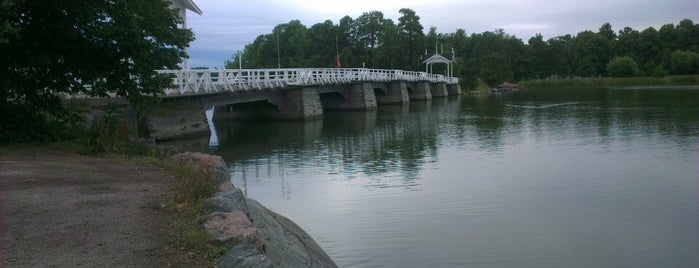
(183, 6)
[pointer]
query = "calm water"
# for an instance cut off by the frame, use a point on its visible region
(557, 178)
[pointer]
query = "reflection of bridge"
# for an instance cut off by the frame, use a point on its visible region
(294, 93)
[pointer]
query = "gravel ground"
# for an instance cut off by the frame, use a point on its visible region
(67, 210)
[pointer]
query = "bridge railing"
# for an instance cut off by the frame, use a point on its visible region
(217, 80)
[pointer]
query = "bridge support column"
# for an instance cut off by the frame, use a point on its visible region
(396, 93)
(360, 96)
(454, 89)
(421, 91)
(302, 103)
(439, 90)
(176, 118)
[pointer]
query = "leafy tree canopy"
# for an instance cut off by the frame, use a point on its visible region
(372, 40)
(52, 48)
(622, 67)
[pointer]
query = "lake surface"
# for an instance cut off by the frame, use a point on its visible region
(546, 178)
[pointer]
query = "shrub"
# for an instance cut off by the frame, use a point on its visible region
(622, 67)
(684, 62)
(24, 123)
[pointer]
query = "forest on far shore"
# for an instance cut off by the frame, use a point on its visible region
(373, 41)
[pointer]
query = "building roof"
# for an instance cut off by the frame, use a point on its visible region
(439, 58)
(189, 4)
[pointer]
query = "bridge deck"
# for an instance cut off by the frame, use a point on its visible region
(193, 82)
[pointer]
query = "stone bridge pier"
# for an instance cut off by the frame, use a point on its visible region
(439, 90)
(454, 89)
(420, 91)
(395, 92)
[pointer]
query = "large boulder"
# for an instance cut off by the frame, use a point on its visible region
(212, 163)
(228, 201)
(245, 255)
(284, 242)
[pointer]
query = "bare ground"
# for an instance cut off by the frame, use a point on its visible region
(67, 210)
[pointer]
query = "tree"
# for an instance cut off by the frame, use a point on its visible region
(391, 53)
(323, 38)
(589, 53)
(687, 34)
(411, 32)
(294, 44)
(606, 31)
(7, 10)
(91, 47)
(370, 26)
(684, 62)
(650, 53)
(622, 67)
(561, 63)
(495, 69)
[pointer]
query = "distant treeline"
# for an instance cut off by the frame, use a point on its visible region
(373, 41)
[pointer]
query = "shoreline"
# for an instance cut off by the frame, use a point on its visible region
(65, 209)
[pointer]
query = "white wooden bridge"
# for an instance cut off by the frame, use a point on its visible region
(301, 93)
(206, 81)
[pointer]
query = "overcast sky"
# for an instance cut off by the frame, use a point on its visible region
(226, 26)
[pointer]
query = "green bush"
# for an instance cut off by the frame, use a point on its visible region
(684, 62)
(193, 184)
(24, 123)
(114, 133)
(623, 67)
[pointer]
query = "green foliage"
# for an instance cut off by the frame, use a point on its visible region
(622, 67)
(371, 40)
(96, 47)
(612, 82)
(193, 184)
(495, 69)
(468, 72)
(114, 133)
(684, 62)
(25, 123)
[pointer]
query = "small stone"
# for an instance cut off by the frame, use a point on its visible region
(226, 186)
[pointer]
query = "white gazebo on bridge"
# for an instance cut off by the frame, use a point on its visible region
(449, 60)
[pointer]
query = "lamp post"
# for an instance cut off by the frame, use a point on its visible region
(372, 50)
(279, 62)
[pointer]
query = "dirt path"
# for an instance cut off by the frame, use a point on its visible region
(67, 210)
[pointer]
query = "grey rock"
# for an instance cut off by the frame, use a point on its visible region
(226, 186)
(224, 227)
(212, 163)
(245, 255)
(228, 201)
(284, 242)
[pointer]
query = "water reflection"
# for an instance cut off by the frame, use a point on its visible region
(401, 138)
(549, 178)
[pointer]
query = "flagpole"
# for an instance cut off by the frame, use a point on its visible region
(337, 54)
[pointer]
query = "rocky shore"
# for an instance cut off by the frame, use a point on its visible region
(263, 238)
(502, 88)
(61, 209)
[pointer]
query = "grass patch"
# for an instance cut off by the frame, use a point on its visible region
(613, 82)
(189, 243)
(482, 86)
